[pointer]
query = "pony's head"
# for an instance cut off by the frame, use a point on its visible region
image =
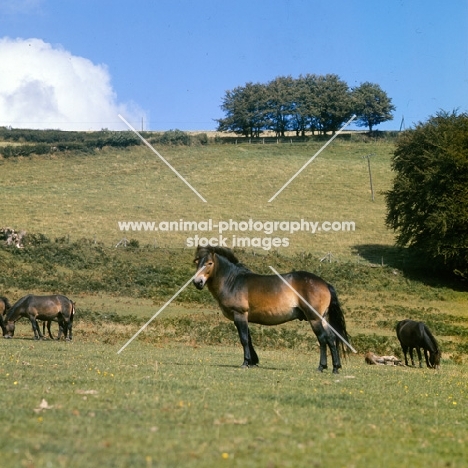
(9, 329)
(205, 260)
(8, 326)
(434, 358)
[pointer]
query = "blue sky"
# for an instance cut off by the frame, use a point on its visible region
(171, 61)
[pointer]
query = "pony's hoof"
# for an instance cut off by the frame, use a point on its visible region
(246, 365)
(335, 370)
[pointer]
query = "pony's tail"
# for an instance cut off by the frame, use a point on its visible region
(337, 320)
(72, 313)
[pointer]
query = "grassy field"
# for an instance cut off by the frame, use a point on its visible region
(87, 195)
(192, 406)
(176, 395)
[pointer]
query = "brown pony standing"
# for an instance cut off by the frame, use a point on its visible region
(244, 297)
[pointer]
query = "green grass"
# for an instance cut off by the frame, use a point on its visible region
(192, 406)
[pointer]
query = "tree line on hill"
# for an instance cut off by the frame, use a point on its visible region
(310, 103)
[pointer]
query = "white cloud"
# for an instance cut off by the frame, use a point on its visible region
(42, 86)
(20, 6)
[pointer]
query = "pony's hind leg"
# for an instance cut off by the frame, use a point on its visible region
(334, 350)
(69, 327)
(320, 333)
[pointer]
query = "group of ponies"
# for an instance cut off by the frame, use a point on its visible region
(53, 308)
(246, 297)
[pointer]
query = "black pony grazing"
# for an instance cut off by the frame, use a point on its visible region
(246, 297)
(412, 335)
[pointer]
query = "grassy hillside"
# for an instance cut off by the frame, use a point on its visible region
(86, 195)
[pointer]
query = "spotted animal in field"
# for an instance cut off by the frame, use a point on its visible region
(374, 359)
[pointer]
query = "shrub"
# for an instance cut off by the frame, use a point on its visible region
(428, 204)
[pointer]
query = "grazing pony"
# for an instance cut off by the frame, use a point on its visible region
(244, 297)
(47, 308)
(412, 335)
(4, 307)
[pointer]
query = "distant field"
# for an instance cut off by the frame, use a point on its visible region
(80, 195)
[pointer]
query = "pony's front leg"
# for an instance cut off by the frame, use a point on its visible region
(426, 355)
(36, 329)
(418, 350)
(242, 325)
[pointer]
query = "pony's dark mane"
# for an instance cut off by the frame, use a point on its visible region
(13, 308)
(431, 337)
(228, 254)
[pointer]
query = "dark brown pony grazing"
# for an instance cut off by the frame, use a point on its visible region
(45, 308)
(412, 335)
(246, 297)
(4, 307)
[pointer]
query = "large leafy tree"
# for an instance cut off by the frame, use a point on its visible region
(245, 110)
(304, 105)
(280, 104)
(371, 105)
(332, 103)
(428, 204)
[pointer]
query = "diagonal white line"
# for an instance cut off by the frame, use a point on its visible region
(312, 158)
(159, 311)
(313, 310)
(162, 159)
